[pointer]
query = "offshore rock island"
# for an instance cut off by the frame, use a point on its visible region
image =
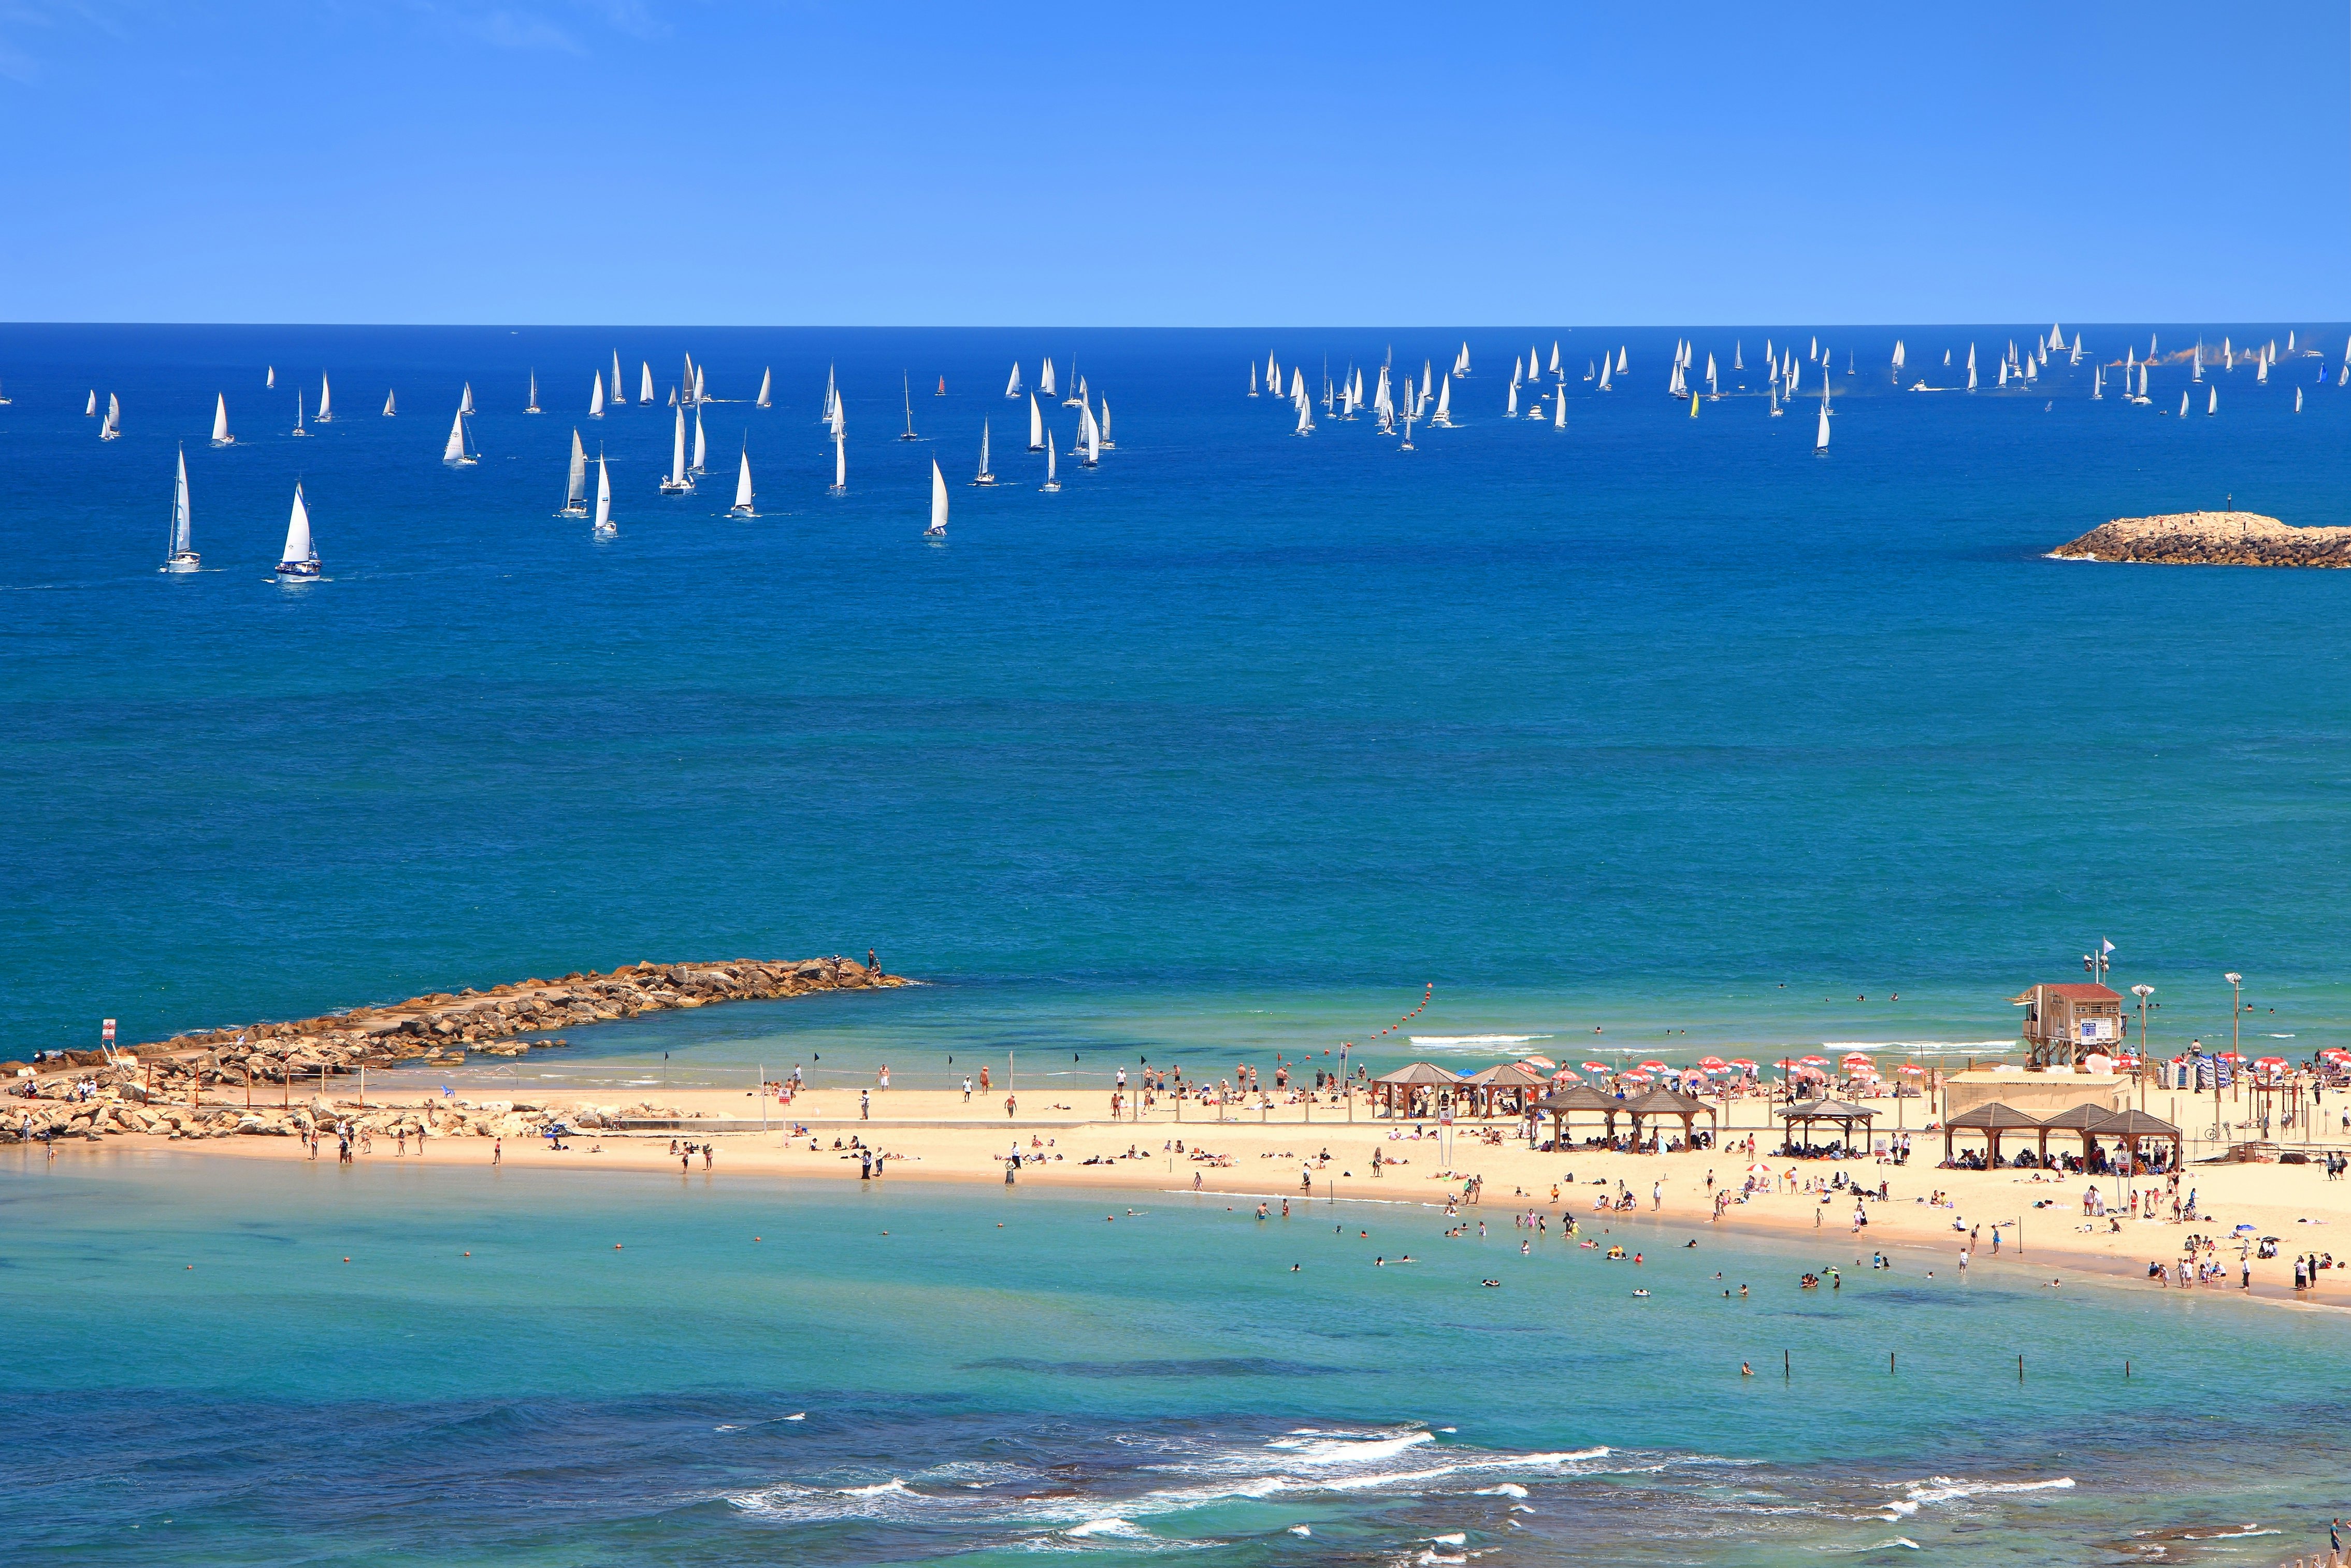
(2210, 538)
(147, 1087)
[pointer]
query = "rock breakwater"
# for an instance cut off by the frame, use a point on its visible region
(157, 1087)
(2210, 538)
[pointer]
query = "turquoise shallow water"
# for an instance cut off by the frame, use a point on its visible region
(1632, 726)
(619, 1371)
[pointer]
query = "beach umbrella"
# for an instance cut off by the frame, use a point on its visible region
(1787, 1062)
(1858, 1058)
(1709, 1063)
(1653, 1065)
(2232, 1056)
(1595, 1067)
(2271, 1061)
(1816, 1061)
(1913, 1071)
(1759, 1170)
(1564, 1076)
(1636, 1076)
(1545, 1062)
(1741, 1063)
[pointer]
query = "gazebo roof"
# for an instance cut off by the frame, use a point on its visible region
(1829, 1111)
(1507, 1075)
(1992, 1117)
(1666, 1103)
(1579, 1097)
(2084, 1118)
(2137, 1124)
(1420, 1075)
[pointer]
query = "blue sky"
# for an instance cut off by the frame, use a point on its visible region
(634, 161)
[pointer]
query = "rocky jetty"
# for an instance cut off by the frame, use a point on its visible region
(2210, 538)
(155, 1087)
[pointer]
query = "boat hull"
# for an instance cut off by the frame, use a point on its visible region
(297, 572)
(186, 561)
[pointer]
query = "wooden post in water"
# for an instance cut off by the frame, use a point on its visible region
(1787, 1368)
(2020, 1369)
(1889, 1364)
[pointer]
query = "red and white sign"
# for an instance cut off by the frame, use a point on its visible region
(109, 1031)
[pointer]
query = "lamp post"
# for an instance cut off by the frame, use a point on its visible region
(2145, 1058)
(2236, 1020)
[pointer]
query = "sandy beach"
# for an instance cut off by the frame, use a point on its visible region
(1069, 1142)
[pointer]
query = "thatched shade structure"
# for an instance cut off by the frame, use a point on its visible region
(1511, 1082)
(1666, 1102)
(1576, 1097)
(1401, 1085)
(1992, 1119)
(1842, 1112)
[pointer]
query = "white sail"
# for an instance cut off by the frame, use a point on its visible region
(1559, 409)
(1444, 402)
(1710, 385)
(182, 531)
(298, 412)
(1607, 368)
(1555, 357)
(300, 549)
(938, 503)
(644, 380)
(89, 409)
(220, 437)
(113, 425)
(1821, 440)
(701, 447)
(685, 380)
(2183, 402)
(840, 463)
(1045, 379)
(677, 479)
(701, 390)
(575, 483)
(1051, 482)
(2211, 400)
(2196, 370)
(1621, 360)
(1106, 441)
(326, 401)
(1037, 420)
(465, 399)
(1252, 391)
(1013, 387)
(1305, 419)
(742, 507)
(270, 380)
(603, 523)
(455, 452)
(766, 382)
(1093, 431)
(390, 403)
(1897, 355)
(983, 476)
(2297, 393)
(596, 398)
(530, 404)
(1514, 397)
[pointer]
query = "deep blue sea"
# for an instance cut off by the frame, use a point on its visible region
(1653, 724)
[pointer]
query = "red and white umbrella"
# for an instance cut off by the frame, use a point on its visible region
(1653, 1065)
(1634, 1077)
(1911, 1069)
(1741, 1063)
(1816, 1061)
(1710, 1063)
(1787, 1063)
(1545, 1062)
(1564, 1076)
(1759, 1170)
(1595, 1067)
(2232, 1056)
(2271, 1061)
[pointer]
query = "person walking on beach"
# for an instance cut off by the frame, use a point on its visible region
(498, 1151)
(864, 1104)
(1657, 1195)
(967, 1088)
(1011, 1104)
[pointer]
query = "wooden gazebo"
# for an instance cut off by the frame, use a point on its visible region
(1842, 1112)
(1667, 1102)
(1992, 1119)
(1512, 1081)
(2134, 1129)
(1406, 1082)
(2090, 1121)
(1576, 1097)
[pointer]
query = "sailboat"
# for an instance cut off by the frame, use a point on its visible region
(1559, 409)
(1776, 410)
(220, 437)
(2183, 405)
(575, 481)
(1107, 444)
(2297, 400)
(1898, 358)
(603, 526)
(392, 405)
(742, 507)
(1971, 367)
(644, 380)
(466, 401)
(1821, 440)
(830, 391)
(596, 398)
(1607, 369)
(701, 388)
(840, 465)
(112, 428)
(907, 388)
(299, 563)
(89, 409)
(1045, 379)
(938, 529)
(767, 384)
(1513, 410)
(1013, 387)
(983, 476)
(1036, 422)
(453, 453)
(1076, 399)
(1461, 362)
(2196, 370)
(270, 380)
(180, 555)
(2211, 400)
(701, 446)
(1093, 432)
(326, 415)
(1252, 391)
(1053, 484)
(530, 404)
(1554, 358)
(298, 412)
(1443, 417)
(1305, 419)
(677, 481)
(943, 388)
